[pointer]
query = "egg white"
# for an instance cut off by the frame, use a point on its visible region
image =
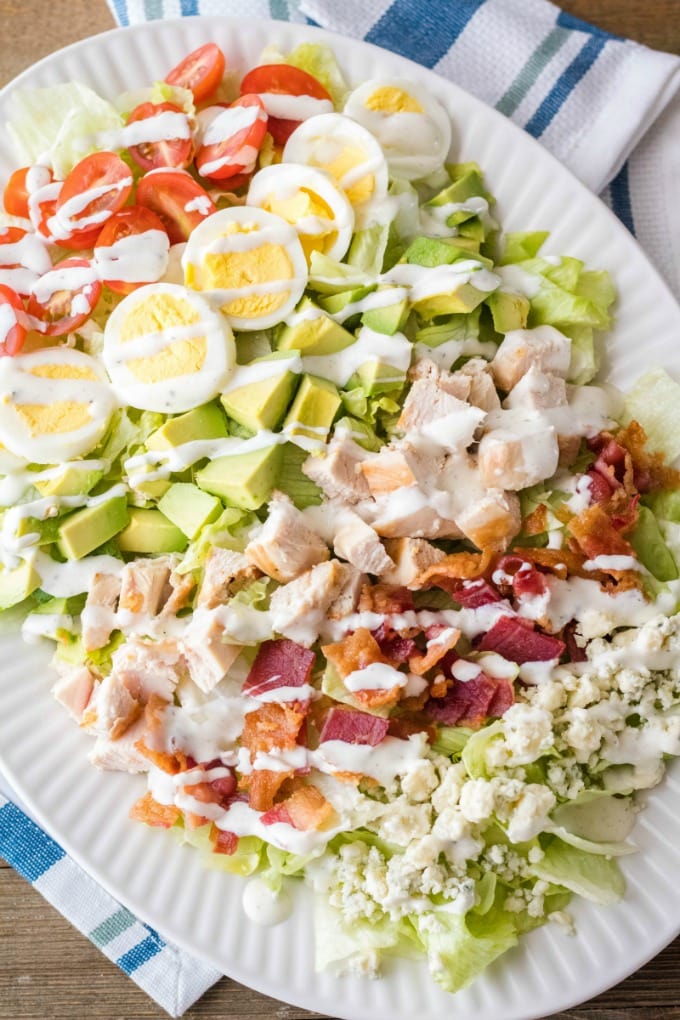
(330, 142)
(186, 363)
(281, 183)
(73, 388)
(416, 142)
(250, 263)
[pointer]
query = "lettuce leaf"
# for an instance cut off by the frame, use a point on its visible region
(339, 943)
(593, 876)
(462, 947)
(319, 61)
(474, 752)
(654, 402)
(57, 125)
(650, 547)
(293, 482)
(245, 861)
(522, 245)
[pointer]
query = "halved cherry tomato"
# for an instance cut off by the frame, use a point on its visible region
(201, 71)
(177, 199)
(230, 184)
(12, 327)
(15, 195)
(23, 258)
(239, 134)
(173, 152)
(282, 79)
(64, 298)
(95, 189)
(132, 221)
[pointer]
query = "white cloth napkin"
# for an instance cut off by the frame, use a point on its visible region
(608, 108)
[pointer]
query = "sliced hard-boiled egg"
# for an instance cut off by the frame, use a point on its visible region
(55, 404)
(309, 200)
(250, 262)
(413, 129)
(166, 349)
(349, 153)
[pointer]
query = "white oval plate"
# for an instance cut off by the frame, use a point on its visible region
(44, 754)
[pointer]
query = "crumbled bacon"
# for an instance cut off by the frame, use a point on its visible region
(223, 842)
(149, 811)
(466, 703)
(516, 641)
(526, 579)
(440, 641)
(213, 791)
(263, 786)
(163, 760)
(575, 652)
(385, 598)
(355, 652)
(280, 663)
(394, 646)
(306, 808)
(353, 727)
(503, 698)
(271, 725)
(596, 535)
(473, 594)
(456, 567)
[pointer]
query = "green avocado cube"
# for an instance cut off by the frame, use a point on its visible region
(440, 251)
(377, 377)
(316, 335)
(17, 584)
(150, 531)
(508, 311)
(88, 528)
(334, 303)
(316, 404)
(205, 422)
(74, 480)
(189, 507)
(244, 480)
(262, 403)
(389, 319)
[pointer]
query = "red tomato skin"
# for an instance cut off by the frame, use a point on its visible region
(134, 219)
(65, 323)
(201, 71)
(167, 193)
(283, 79)
(252, 136)
(173, 152)
(15, 195)
(15, 336)
(94, 171)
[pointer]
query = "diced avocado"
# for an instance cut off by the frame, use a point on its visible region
(508, 311)
(244, 480)
(334, 303)
(189, 507)
(205, 422)
(47, 530)
(464, 299)
(16, 585)
(316, 335)
(74, 480)
(471, 230)
(389, 319)
(262, 404)
(467, 182)
(312, 412)
(61, 606)
(150, 531)
(88, 528)
(377, 377)
(154, 489)
(440, 251)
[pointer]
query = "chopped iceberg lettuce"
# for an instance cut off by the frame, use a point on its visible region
(460, 948)
(654, 402)
(650, 547)
(593, 876)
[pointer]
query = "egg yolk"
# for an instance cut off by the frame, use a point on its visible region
(59, 416)
(158, 314)
(299, 207)
(349, 160)
(392, 100)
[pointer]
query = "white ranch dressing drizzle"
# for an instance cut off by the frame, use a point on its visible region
(163, 127)
(378, 676)
(377, 299)
(263, 906)
(369, 347)
(515, 280)
(137, 258)
(66, 220)
(286, 107)
(74, 576)
(425, 281)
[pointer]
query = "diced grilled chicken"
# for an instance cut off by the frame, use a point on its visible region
(298, 608)
(121, 755)
(357, 542)
(98, 617)
(516, 460)
(73, 688)
(411, 556)
(148, 667)
(117, 708)
(206, 651)
(347, 598)
(428, 371)
(337, 471)
(285, 546)
(537, 391)
(143, 584)
(481, 387)
(386, 471)
(426, 402)
(181, 588)
(408, 514)
(544, 347)
(492, 520)
(226, 572)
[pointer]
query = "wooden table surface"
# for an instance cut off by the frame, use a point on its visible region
(46, 967)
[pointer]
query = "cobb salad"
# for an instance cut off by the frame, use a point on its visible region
(305, 474)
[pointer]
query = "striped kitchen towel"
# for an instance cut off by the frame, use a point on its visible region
(608, 108)
(172, 977)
